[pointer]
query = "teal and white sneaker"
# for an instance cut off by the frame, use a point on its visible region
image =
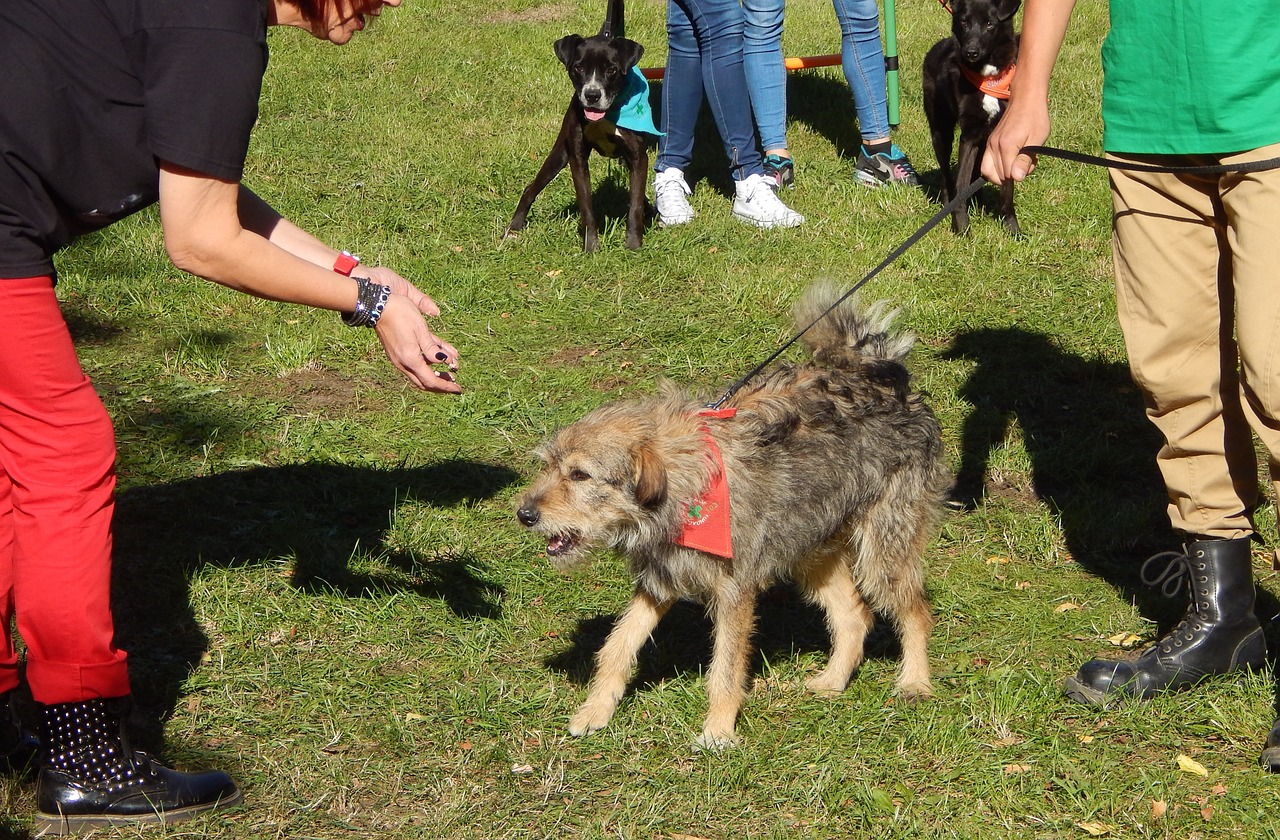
(781, 170)
(892, 168)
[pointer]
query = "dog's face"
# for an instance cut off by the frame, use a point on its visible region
(598, 67)
(600, 485)
(984, 31)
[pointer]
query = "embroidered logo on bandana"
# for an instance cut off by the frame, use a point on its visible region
(706, 524)
(997, 85)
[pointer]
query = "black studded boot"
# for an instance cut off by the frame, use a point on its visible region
(1219, 634)
(91, 778)
(18, 747)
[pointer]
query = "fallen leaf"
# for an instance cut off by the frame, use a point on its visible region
(1158, 809)
(1007, 741)
(1014, 769)
(1022, 584)
(1125, 640)
(1095, 829)
(1219, 789)
(410, 717)
(1187, 764)
(1085, 739)
(556, 272)
(1066, 606)
(997, 559)
(522, 769)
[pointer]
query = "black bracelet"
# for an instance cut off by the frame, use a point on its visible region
(371, 299)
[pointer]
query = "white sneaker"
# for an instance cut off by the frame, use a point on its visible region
(758, 203)
(671, 195)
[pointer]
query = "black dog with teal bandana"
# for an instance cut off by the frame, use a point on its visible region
(609, 113)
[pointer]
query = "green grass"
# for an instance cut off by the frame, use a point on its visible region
(321, 584)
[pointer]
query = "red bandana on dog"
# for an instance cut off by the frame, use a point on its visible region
(706, 524)
(997, 85)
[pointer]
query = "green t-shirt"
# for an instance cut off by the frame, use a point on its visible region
(1191, 76)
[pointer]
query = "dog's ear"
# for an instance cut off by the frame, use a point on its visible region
(566, 47)
(1007, 8)
(649, 474)
(629, 51)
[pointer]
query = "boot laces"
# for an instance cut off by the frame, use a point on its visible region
(1172, 570)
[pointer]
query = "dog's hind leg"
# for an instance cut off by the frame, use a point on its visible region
(733, 614)
(829, 584)
(615, 661)
(889, 571)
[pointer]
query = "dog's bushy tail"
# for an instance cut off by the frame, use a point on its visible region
(850, 335)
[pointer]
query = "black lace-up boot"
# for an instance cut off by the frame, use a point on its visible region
(91, 778)
(1270, 759)
(18, 747)
(1219, 634)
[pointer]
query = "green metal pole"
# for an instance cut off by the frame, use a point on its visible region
(891, 60)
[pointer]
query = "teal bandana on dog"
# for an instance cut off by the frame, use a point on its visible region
(630, 110)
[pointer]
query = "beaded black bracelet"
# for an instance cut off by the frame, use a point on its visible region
(371, 299)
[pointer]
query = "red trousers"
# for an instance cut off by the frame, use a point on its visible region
(57, 485)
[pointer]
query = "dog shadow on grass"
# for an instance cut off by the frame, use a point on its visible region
(1092, 453)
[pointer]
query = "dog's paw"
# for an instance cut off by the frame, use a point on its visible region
(715, 741)
(913, 692)
(827, 684)
(590, 717)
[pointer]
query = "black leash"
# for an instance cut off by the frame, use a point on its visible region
(967, 193)
(951, 206)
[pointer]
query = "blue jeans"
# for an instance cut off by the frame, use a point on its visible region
(704, 41)
(861, 53)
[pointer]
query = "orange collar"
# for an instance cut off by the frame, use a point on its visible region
(997, 85)
(706, 524)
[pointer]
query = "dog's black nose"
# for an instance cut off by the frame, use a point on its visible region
(528, 516)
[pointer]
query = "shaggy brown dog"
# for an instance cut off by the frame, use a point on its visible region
(835, 481)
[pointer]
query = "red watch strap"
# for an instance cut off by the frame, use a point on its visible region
(345, 263)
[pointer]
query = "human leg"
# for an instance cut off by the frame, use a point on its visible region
(1251, 203)
(766, 75)
(57, 452)
(718, 28)
(1175, 299)
(862, 59)
(681, 102)
(880, 161)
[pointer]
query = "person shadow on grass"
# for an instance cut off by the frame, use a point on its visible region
(1092, 455)
(325, 524)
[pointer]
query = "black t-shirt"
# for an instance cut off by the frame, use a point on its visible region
(93, 93)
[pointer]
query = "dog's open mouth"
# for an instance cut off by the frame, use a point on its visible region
(593, 114)
(559, 544)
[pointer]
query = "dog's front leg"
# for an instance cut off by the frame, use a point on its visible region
(578, 168)
(556, 160)
(966, 169)
(615, 661)
(637, 210)
(1006, 208)
(733, 616)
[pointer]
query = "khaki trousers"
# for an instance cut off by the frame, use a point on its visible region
(1197, 264)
